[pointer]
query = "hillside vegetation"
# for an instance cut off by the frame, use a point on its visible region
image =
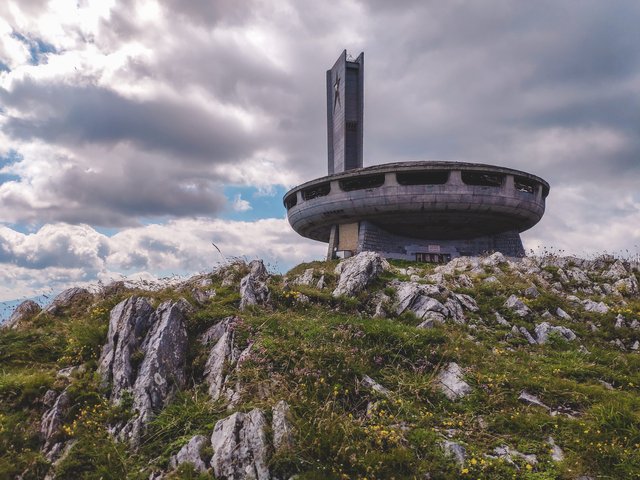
(483, 368)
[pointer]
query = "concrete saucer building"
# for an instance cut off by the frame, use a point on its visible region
(424, 211)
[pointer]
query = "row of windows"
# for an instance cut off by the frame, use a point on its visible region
(425, 177)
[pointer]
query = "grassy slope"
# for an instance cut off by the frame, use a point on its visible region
(313, 356)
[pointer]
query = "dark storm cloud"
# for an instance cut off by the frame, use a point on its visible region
(72, 115)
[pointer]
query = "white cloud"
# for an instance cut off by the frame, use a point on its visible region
(240, 205)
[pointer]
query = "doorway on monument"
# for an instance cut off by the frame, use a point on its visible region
(433, 257)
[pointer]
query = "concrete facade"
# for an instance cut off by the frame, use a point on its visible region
(345, 114)
(423, 211)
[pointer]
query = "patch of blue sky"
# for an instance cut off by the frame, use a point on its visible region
(4, 67)
(260, 203)
(7, 160)
(37, 48)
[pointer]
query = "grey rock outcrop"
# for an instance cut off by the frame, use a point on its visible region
(162, 371)
(455, 450)
(223, 358)
(562, 314)
(240, 447)
(370, 384)
(451, 382)
(253, 287)
(129, 321)
(530, 399)
(27, 309)
(283, 438)
(357, 272)
(543, 330)
(596, 307)
(509, 454)
(53, 419)
(557, 455)
(192, 453)
(305, 279)
(517, 306)
(67, 298)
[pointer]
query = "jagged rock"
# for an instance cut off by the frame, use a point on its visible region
(305, 279)
(491, 279)
(240, 447)
(371, 384)
(162, 372)
(191, 453)
(67, 298)
(501, 320)
(52, 420)
(493, 260)
(357, 272)
(516, 305)
(451, 382)
(203, 296)
(281, 427)
(620, 323)
(596, 307)
(129, 321)
(381, 301)
(423, 304)
(627, 286)
(321, 283)
(508, 454)
(532, 400)
(464, 281)
(49, 398)
(467, 302)
(547, 315)
(525, 333)
(531, 292)
(618, 343)
(454, 308)
(562, 314)
(253, 287)
(557, 455)
(56, 456)
(635, 325)
(636, 346)
(455, 450)
(26, 310)
(223, 358)
(616, 271)
(430, 319)
(409, 293)
(578, 277)
(543, 329)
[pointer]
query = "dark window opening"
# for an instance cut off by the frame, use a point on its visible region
(291, 201)
(433, 257)
(425, 177)
(362, 183)
(352, 126)
(316, 191)
(524, 185)
(482, 179)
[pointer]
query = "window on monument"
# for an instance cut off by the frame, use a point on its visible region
(482, 179)
(545, 191)
(352, 126)
(525, 185)
(424, 177)
(291, 201)
(362, 182)
(321, 190)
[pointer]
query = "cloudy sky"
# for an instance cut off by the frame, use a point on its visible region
(134, 133)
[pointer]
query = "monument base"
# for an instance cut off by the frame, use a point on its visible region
(373, 238)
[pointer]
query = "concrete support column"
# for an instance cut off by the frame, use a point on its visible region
(333, 243)
(335, 187)
(455, 178)
(390, 179)
(509, 185)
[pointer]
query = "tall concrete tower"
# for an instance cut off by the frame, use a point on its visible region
(345, 105)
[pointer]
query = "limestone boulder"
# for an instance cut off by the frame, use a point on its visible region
(240, 447)
(253, 287)
(26, 310)
(192, 453)
(281, 426)
(451, 382)
(517, 306)
(129, 322)
(543, 330)
(68, 298)
(357, 272)
(162, 371)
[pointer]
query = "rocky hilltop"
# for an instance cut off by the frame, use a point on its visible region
(359, 369)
